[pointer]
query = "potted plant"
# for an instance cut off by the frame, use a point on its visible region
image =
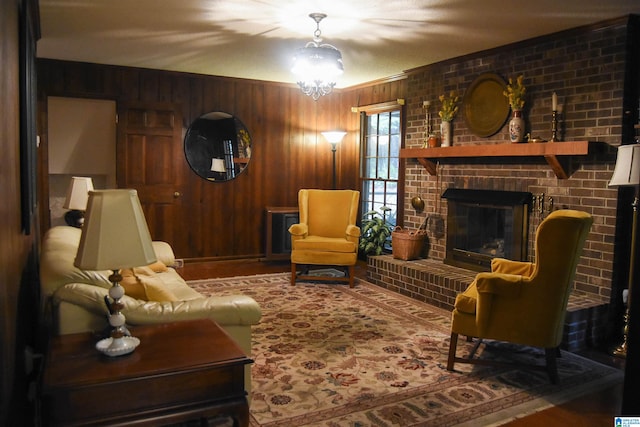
(376, 231)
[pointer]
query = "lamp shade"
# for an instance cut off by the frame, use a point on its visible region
(627, 170)
(334, 137)
(78, 193)
(115, 233)
(217, 165)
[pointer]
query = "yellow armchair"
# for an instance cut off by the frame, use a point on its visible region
(523, 302)
(327, 233)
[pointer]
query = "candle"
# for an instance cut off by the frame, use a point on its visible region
(554, 102)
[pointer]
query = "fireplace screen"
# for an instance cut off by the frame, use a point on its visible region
(484, 224)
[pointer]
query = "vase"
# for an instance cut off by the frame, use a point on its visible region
(445, 131)
(516, 127)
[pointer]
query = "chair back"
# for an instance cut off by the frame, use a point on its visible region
(559, 242)
(328, 212)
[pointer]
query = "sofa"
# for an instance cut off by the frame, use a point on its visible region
(73, 299)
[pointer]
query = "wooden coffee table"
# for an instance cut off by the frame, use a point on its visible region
(180, 371)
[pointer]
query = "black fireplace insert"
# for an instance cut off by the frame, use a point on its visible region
(486, 224)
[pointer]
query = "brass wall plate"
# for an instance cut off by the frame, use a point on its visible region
(485, 107)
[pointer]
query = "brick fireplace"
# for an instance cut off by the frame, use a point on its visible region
(593, 111)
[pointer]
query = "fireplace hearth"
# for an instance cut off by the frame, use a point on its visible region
(485, 224)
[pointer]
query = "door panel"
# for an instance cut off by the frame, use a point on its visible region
(150, 159)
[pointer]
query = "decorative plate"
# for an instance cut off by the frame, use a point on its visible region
(485, 107)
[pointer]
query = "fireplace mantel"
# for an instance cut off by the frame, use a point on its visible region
(553, 152)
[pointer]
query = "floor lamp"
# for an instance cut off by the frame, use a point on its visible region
(627, 174)
(334, 138)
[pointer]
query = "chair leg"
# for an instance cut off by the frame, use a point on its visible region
(293, 274)
(453, 344)
(352, 273)
(552, 366)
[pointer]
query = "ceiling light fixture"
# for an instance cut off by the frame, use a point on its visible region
(317, 65)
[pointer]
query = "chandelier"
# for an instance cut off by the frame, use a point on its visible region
(317, 65)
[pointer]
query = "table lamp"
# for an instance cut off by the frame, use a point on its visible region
(115, 236)
(76, 201)
(218, 166)
(627, 174)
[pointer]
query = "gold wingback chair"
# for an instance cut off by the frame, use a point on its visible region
(327, 233)
(523, 302)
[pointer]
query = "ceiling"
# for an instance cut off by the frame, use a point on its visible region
(255, 39)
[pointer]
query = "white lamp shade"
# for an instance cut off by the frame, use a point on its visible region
(217, 165)
(334, 137)
(115, 233)
(627, 170)
(78, 193)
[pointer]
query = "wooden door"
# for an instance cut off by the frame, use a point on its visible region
(150, 159)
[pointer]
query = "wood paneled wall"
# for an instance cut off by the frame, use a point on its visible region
(17, 249)
(288, 151)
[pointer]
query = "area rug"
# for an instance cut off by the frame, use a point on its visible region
(329, 355)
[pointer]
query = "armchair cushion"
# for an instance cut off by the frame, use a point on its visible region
(328, 244)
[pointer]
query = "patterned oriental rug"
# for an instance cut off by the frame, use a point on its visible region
(327, 355)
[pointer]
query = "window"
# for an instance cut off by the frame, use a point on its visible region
(380, 159)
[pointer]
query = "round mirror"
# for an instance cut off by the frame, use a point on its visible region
(217, 146)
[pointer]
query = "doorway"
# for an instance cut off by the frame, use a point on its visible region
(81, 142)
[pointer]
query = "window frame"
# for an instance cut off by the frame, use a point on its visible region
(365, 114)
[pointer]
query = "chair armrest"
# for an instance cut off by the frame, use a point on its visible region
(164, 253)
(353, 231)
(225, 310)
(508, 285)
(299, 230)
(493, 289)
(501, 265)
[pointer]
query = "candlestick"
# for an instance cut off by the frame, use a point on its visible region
(554, 126)
(427, 128)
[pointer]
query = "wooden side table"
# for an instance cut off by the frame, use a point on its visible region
(180, 371)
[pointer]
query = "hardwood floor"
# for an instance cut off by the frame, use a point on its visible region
(595, 409)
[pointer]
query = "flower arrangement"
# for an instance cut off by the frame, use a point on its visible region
(449, 106)
(244, 143)
(515, 93)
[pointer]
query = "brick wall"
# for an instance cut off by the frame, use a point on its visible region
(585, 67)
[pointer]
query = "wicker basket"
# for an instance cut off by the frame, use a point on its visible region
(407, 244)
